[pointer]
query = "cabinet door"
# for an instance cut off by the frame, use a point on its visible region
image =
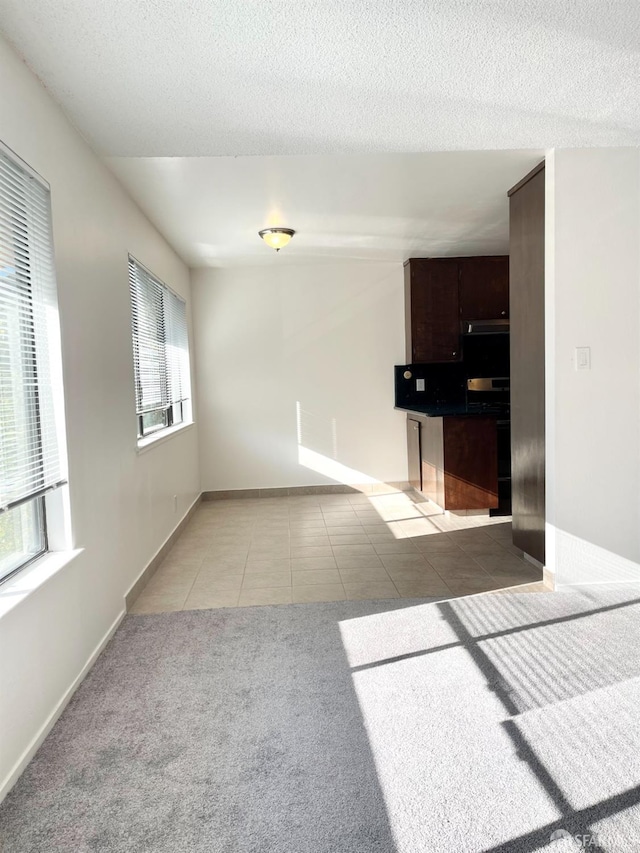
(484, 288)
(470, 463)
(432, 456)
(413, 453)
(433, 310)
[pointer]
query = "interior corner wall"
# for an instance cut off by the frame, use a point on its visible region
(121, 503)
(295, 374)
(593, 416)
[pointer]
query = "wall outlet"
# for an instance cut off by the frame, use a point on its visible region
(583, 358)
(419, 384)
(175, 503)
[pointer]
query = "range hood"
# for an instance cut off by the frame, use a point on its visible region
(485, 327)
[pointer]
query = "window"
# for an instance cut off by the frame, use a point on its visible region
(30, 370)
(160, 352)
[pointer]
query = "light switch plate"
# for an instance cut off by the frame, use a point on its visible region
(583, 358)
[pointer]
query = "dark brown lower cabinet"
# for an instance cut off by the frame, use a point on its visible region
(459, 461)
(413, 453)
(470, 463)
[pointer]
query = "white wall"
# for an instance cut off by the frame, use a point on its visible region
(319, 338)
(593, 417)
(121, 502)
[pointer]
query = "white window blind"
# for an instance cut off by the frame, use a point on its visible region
(30, 376)
(177, 348)
(160, 350)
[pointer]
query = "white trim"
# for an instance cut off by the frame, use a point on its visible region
(46, 727)
(58, 510)
(163, 546)
(581, 563)
(548, 578)
(25, 582)
(161, 436)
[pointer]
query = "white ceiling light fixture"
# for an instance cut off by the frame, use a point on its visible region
(277, 238)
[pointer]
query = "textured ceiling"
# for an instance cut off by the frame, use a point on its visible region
(344, 207)
(218, 77)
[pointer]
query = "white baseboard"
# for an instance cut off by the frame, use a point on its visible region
(548, 578)
(147, 573)
(13, 775)
(581, 563)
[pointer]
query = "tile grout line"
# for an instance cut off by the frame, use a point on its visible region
(319, 511)
(376, 555)
(244, 568)
(324, 521)
(195, 577)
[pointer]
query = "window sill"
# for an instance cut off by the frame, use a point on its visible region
(24, 583)
(160, 437)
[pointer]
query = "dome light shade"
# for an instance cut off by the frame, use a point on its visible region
(277, 238)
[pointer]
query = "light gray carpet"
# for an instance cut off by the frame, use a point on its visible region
(480, 724)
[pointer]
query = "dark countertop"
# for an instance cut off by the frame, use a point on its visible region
(455, 411)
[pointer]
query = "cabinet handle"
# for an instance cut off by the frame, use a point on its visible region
(504, 313)
(454, 353)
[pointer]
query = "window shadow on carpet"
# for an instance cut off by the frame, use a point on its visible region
(559, 734)
(477, 724)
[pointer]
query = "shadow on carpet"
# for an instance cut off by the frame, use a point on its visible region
(486, 723)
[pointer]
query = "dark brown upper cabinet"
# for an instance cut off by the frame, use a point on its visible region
(442, 292)
(484, 288)
(432, 310)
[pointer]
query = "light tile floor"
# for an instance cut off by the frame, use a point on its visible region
(317, 548)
